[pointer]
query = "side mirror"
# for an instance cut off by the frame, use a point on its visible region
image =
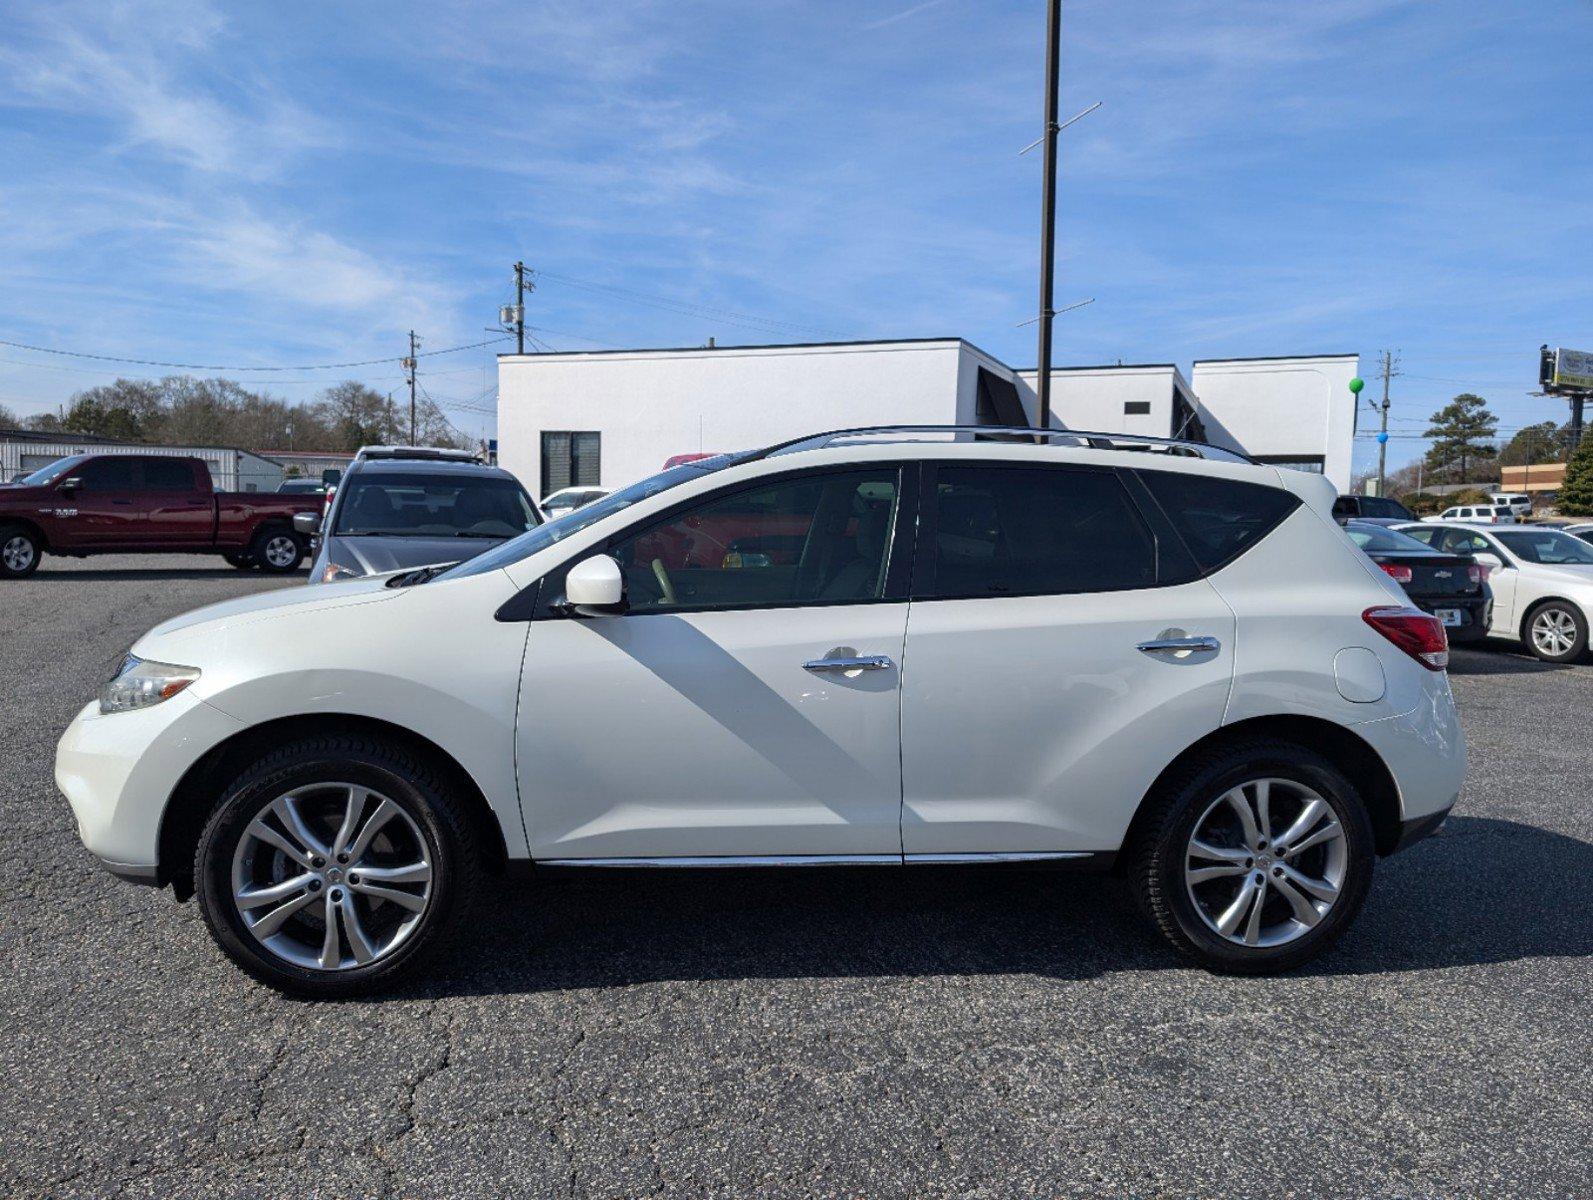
(71, 483)
(1492, 561)
(595, 585)
(307, 523)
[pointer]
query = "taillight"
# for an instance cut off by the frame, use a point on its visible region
(1396, 572)
(1477, 572)
(1416, 633)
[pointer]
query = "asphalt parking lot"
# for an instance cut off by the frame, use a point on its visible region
(887, 1034)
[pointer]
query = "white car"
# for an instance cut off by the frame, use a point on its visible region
(897, 648)
(1476, 514)
(556, 504)
(1542, 581)
(1519, 503)
(1583, 530)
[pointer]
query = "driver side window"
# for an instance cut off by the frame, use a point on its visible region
(810, 539)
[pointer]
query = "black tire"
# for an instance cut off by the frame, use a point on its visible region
(1157, 858)
(243, 562)
(1562, 637)
(20, 551)
(277, 551)
(451, 845)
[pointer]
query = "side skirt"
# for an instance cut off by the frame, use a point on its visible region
(1076, 859)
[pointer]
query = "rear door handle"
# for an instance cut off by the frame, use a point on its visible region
(1182, 645)
(862, 662)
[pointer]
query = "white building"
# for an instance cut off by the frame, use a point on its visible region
(611, 417)
(23, 451)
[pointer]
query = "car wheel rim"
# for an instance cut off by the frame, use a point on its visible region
(1254, 885)
(279, 551)
(331, 877)
(1554, 632)
(18, 553)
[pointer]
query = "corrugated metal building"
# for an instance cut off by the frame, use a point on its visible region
(23, 451)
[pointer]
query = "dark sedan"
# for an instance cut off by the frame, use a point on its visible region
(1453, 587)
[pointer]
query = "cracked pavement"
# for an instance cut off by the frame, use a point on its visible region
(815, 1034)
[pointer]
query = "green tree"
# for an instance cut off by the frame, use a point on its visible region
(1576, 497)
(1462, 432)
(1540, 443)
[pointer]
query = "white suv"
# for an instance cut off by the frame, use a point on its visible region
(899, 648)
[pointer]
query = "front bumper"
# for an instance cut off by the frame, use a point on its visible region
(1417, 828)
(118, 771)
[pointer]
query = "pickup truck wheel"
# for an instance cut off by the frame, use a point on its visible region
(277, 551)
(19, 552)
(242, 561)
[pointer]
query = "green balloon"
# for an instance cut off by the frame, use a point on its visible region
(1357, 384)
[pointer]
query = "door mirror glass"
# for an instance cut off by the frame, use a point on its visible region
(307, 522)
(595, 583)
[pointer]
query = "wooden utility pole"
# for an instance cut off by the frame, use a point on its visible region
(411, 363)
(1053, 35)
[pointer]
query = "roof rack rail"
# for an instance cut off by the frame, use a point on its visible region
(1011, 433)
(444, 453)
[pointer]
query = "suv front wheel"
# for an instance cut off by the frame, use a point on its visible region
(335, 866)
(1255, 857)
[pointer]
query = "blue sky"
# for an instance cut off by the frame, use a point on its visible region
(283, 183)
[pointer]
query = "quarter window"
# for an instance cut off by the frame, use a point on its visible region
(805, 540)
(1017, 531)
(1219, 519)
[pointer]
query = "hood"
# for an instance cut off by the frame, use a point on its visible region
(282, 602)
(383, 555)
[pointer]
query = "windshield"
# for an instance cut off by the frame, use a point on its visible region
(1547, 546)
(1378, 540)
(415, 505)
(577, 519)
(52, 472)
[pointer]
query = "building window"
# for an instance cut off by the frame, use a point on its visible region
(1136, 408)
(571, 459)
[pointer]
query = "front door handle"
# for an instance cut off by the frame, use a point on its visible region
(1179, 645)
(861, 662)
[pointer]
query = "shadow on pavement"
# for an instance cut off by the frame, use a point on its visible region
(1474, 894)
(1499, 658)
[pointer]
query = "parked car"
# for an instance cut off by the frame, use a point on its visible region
(1382, 509)
(1453, 587)
(1519, 503)
(143, 504)
(403, 507)
(1174, 665)
(556, 504)
(1476, 514)
(1542, 581)
(1583, 530)
(302, 487)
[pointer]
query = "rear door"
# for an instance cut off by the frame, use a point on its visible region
(1062, 648)
(179, 513)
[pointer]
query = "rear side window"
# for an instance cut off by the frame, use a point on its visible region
(167, 475)
(1219, 519)
(1023, 531)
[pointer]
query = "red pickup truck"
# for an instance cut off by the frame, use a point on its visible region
(144, 504)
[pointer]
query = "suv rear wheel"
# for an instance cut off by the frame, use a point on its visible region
(1254, 858)
(336, 866)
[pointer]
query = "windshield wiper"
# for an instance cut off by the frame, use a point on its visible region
(472, 534)
(420, 575)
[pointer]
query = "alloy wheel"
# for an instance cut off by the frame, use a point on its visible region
(1253, 885)
(280, 551)
(1554, 632)
(331, 876)
(17, 553)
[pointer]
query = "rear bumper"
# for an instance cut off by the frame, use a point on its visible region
(1475, 614)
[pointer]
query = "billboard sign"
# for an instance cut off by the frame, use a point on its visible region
(1573, 370)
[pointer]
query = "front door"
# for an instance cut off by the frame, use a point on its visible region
(1060, 653)
(723, 716)
(1502, 579)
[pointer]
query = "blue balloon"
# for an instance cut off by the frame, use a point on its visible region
(1382, 437)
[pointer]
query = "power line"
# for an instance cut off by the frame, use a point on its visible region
(147, 362)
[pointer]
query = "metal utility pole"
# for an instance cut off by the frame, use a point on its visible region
(1053, 35)
(1382, 439)
(519, 308)
(410, 365)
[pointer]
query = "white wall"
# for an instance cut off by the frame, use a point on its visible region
(1093, 398)
(649, 405)
(1294, 407)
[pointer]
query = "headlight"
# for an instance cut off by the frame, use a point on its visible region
(334, 572)
(139, 684)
